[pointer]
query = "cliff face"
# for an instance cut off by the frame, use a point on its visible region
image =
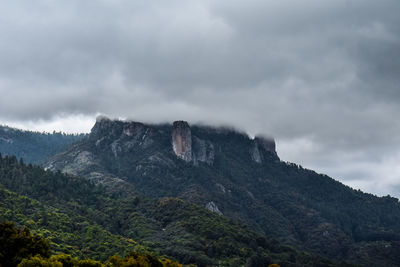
(255, 153)
(262, 148)
(182, 140)
(203, 151)
(189, 147)
(268, 144)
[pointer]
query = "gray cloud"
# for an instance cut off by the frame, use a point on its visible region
(322, 77)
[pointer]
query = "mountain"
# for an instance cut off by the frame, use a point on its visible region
(34, 147)
(241, 178)
(85, 220)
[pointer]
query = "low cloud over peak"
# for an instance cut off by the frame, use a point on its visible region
(321, 77)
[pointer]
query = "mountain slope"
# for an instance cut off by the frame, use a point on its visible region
(34, 147)
(20, 248)
(242, 178)
(85, 220)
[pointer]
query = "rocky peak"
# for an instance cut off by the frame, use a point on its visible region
(268, 144)
(102, 124)
(191, 145)
(211, 206)
(133, 129)
(182, 140)
(261, 145)
(116, 128)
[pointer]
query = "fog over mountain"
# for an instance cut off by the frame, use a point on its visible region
(322, 77)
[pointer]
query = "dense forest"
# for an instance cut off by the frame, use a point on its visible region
(83, 220)
(20, 248)
(34, 147)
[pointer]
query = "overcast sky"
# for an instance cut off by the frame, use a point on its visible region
(322, 77)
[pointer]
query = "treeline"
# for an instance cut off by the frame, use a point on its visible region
(34, 147)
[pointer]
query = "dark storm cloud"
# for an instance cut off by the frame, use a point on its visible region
(320, 76)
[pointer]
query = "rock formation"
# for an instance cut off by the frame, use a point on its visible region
(255, 153)
(102, 125)
(182, 140)
(211, 206)
(190, 148)
(268, 144)
(261, 147)
(203, 151)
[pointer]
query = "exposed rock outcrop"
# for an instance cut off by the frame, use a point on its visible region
(262, 147)
(211, 206)
(203, 151)
(255, 153)
(134, 129)
(121, 136)
(188, 147)
(268, 144)
(182, 140)
(102, 125)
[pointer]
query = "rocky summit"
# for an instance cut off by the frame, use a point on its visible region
(238, 177)
(142, 148)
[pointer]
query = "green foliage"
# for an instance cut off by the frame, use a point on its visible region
(67, 231)
(37, 261)
(51, 209)
(134, 259)
(84, 221)
(64, 260)
(16, 244)
(19, 248)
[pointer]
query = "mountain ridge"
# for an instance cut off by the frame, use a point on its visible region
(244, 179)
(34, 147)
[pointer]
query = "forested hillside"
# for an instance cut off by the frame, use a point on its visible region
(20, 248)
(34, 147)
(83, 220)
